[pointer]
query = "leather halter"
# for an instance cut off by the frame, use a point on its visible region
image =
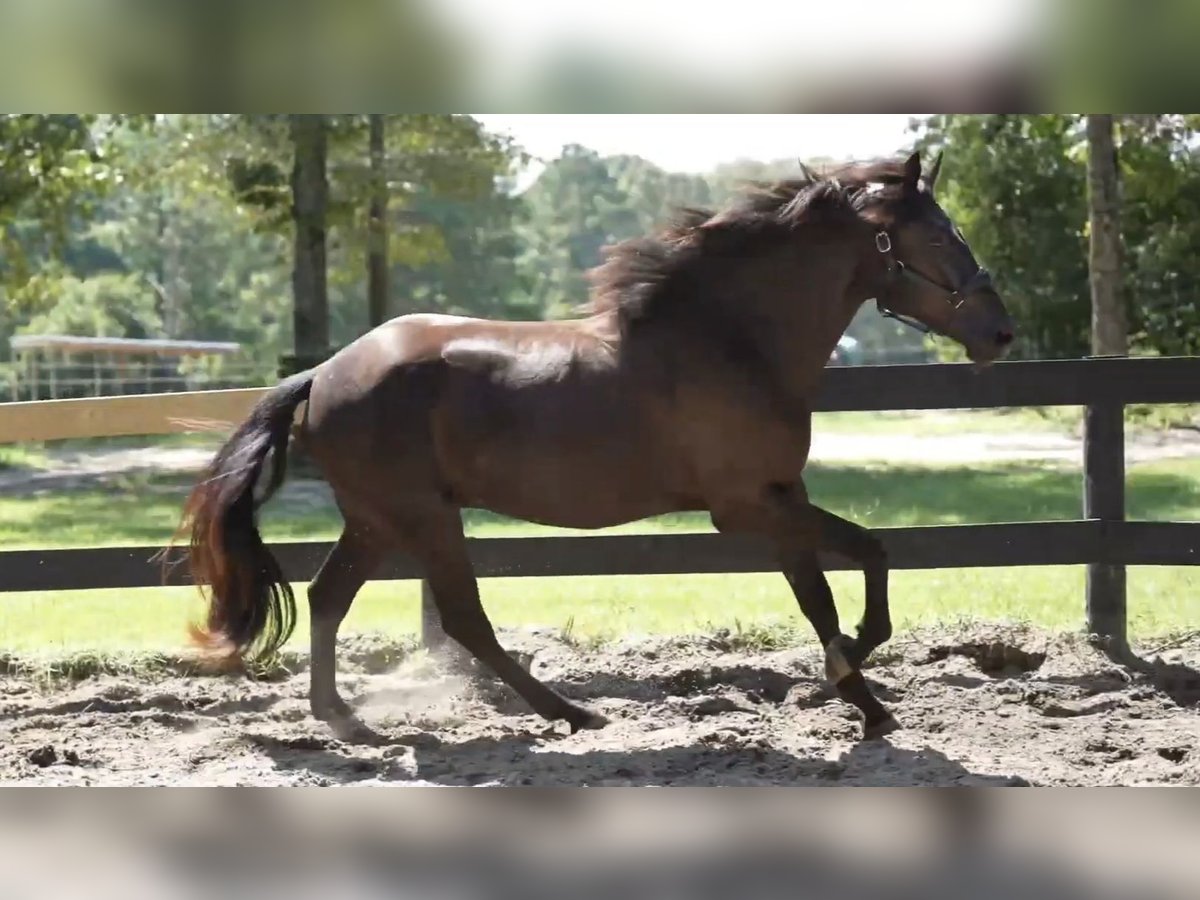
(897, 270)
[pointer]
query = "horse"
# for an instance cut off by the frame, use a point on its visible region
(686, 383)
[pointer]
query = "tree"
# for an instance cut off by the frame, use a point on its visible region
(572, 211)
(1160, 225)
(1110, 333)
(654, 194)
(431, 161)
(50, 167)
(1015, 186)
(377, 274)
(310, 199)
(168, 252)
(1019, 188)
(52, 171)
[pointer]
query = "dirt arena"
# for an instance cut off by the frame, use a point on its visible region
(979, 706)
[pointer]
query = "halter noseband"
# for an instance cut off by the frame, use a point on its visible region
(898, 270)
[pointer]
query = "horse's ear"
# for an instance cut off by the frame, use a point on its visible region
(912, 169)
(931, 178)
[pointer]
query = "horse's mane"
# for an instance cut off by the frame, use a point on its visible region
(639, 277)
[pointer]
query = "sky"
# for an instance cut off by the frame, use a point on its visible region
(697, 143)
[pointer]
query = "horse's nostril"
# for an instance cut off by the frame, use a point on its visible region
(1004, 338)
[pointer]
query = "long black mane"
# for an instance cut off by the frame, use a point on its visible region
(637, 275)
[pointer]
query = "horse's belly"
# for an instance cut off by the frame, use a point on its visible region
(575, 490)
(581, 452)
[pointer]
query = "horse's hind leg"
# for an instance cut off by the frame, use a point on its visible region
(442, 548)
(348, 566)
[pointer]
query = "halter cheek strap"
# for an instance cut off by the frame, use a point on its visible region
(898, 270)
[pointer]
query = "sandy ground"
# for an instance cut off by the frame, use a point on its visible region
(979, 706)
(984, 706)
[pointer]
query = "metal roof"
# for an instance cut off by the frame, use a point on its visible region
(130, 346)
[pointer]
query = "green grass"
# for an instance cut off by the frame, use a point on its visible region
(21, 456)
(142, 509)
(1047, 420)
(935, 422)
(40, 454)
(1162, 601)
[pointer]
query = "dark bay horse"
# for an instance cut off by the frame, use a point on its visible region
(687, 385)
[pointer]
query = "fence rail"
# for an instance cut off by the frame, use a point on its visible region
(1075, 542)
(1102, 540)
(1074, 382)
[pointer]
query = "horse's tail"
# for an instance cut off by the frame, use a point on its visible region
(251, 608)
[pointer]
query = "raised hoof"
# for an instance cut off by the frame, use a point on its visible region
(332, 710)
(592, 721)
(881, 728)
(838, 653)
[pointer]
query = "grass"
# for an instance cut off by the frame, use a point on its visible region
(21, 456)
(144, 509)
(755, 610)
(41, 454)
(936, 422)
(133, 442)
(1043, 420)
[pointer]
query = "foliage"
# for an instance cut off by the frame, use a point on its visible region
(105, 305)
(1016, 185)
(199, 219)
(572, 211)
(655, 194)
(1161, 227)
(450, 236)
(180, 225)
(53, 171)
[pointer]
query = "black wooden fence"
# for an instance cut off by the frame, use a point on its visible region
(1101, 539)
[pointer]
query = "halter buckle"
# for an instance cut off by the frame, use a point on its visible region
(883, 242)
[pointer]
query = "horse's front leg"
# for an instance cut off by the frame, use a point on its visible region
(817, 529)
(842, 659)
(799, 531)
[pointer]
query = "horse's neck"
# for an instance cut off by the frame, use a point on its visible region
(802, 333)
(782, 315)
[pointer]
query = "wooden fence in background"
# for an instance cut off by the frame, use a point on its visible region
(1102, 539)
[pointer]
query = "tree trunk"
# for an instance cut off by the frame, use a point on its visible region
(1110, 333)
(175, 291)
(310, 197)
(377, 263)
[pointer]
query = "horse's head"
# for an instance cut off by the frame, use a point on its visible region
(929, 276)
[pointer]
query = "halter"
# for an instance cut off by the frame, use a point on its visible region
(897, 270)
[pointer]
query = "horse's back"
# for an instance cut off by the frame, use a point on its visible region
(535, 419)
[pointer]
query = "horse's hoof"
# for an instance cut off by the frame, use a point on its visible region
(331, 710)
(352, 730)
(881, 728)
(592, 721)
(837, 663)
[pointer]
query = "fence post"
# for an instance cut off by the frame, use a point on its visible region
(1104, 499)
